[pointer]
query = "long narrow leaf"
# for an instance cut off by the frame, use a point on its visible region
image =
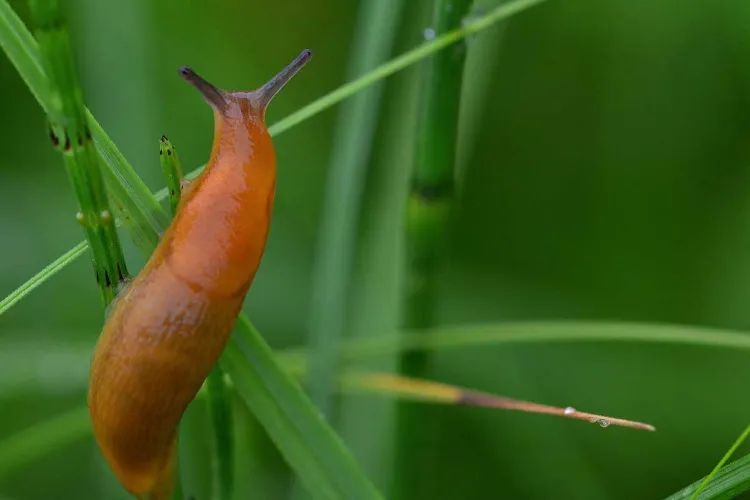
(530, 332)
(292, 422)
(724, 459)
(729, 482)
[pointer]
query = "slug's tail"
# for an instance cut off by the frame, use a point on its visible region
(164, 483)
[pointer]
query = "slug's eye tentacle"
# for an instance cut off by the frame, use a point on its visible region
(259, 99)
(215, 97)
(266, 93)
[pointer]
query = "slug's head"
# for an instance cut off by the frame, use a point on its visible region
(223, 102)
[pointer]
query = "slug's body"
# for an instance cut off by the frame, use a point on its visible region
(166, 331)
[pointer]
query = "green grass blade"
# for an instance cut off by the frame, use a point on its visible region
(528, 332)
(46, 273)
(728, 482)
(310, 446)
(28, 445)
(220, 408)
(121, 179)
(407, 59)
(737, 442)
(294, 360)
(22, 50)
(377, 21)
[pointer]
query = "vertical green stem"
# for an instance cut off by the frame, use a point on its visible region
(171, 167)
(219, 398)
(373, 41)
(70, 133)
(219, 405)
(428, 209)
(172, 170)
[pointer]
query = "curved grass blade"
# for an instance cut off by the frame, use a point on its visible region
(122, 180)
(310, 446)
(737, 442)
(728, 482)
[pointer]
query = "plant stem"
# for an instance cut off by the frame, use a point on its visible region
(428, 211)
(172, 170)
(171, 167)
(70, 134)
(373, 40)
(219, 397)
(220, 408)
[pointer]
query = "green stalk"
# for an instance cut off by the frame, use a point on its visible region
(171, 167)
(353, 138)
(218, 395)
(70, 134)
(172, 170)
(220, 408)
(428, 210)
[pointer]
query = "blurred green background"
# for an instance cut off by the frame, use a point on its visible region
(605, 159)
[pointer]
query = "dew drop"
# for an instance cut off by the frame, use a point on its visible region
(603, 422)
(569, 410)
(80, 217)
(105, 216)
(429, 34)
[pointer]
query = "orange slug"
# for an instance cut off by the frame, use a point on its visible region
(168, 328)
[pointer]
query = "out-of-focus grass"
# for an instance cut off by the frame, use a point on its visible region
(622, 129)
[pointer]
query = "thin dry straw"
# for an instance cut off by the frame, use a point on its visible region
(427, 390)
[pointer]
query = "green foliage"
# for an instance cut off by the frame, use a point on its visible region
(607, 179)
(427, 220)
(29, 445)
(727, 482)
(357, 121)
